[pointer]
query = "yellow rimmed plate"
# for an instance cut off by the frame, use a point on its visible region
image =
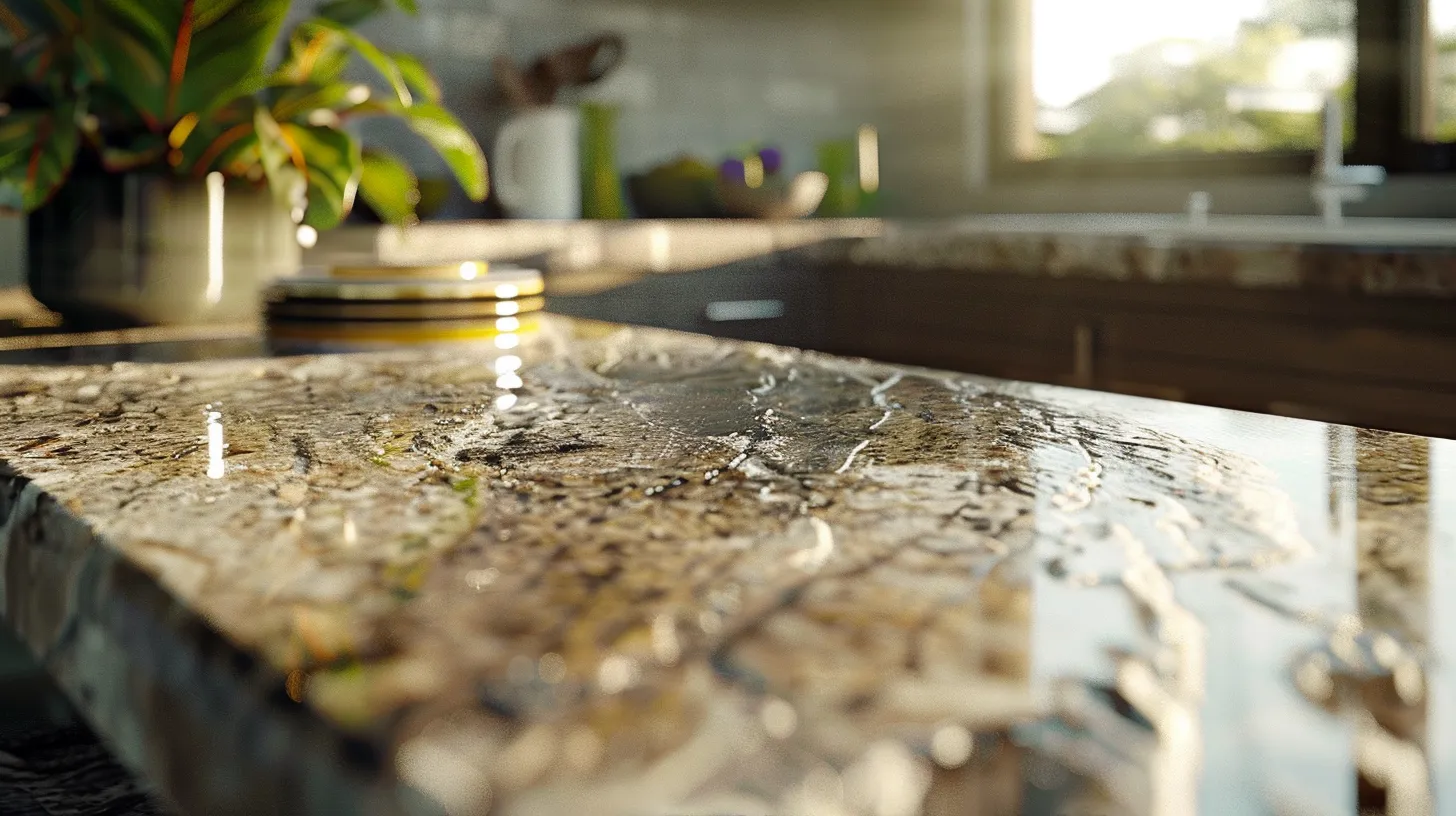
(499, 284)
(333, 310)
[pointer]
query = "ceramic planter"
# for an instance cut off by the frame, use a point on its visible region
(152, 249)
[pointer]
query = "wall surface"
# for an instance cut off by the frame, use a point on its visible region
(699, 77)
(702, 77)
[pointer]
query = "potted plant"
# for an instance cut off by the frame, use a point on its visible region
(170, 168)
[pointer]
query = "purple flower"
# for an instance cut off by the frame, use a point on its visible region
(773, 160)
(733, 171)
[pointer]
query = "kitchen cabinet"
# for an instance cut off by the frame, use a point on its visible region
(775, 298)
(1374, 361)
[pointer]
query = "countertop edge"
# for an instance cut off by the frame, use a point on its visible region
(139, 661)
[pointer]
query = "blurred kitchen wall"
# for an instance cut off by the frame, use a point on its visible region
(706, 76)
(929, 102)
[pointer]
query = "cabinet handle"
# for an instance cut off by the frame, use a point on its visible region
(1084, 351)
(725, 311)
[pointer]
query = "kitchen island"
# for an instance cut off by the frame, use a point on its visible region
(627, 571)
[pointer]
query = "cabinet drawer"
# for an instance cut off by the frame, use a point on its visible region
(751, 300)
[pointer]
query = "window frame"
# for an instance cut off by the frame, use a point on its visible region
(1387, 89)
(1397, 138)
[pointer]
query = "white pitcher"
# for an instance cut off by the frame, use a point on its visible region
(538, 164)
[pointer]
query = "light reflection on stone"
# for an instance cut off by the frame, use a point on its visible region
(779, 718)
(951, 746)
(481, 578)
(617, 673)
(459, 786)
(664, 640)
(215, 446)
(507, 364)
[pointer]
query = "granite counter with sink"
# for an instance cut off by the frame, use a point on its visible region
(626, 571)
(1390, 257)
(1349, 324)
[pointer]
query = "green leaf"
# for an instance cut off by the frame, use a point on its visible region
(353, 12)
(350, 12)
(455, 145)
(12, 28)
(218, 140)
(25, 19)
(332, 163)
(299, 102)
(174, 57)
(388, 187)
(444, 133)
(44, 39)
(381, 61)
(315, 54)
(91, 68)
(37, 150)
(318, 51)
(420, 80)
(274, 152)
(139, 152)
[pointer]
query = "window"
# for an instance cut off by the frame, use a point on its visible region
(1122, 78)
(1189, 88)
(1437, 96)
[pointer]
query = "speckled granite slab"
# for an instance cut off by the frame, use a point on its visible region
(620, 571)
(1390, 257)
(1121, 249)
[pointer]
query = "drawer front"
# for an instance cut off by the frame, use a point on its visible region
(752, 300)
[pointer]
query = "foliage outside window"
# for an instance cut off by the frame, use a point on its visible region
(1130, 78)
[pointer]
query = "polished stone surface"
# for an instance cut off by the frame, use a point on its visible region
(1393, 257)
(1117, 249)
(625, 571)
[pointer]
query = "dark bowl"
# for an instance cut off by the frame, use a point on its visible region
(661, 196)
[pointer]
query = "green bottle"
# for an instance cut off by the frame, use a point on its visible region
(601, 185)
(837, 161)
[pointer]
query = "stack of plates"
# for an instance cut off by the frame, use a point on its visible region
(354, 309)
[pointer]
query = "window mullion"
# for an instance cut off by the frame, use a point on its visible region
(1382, 100)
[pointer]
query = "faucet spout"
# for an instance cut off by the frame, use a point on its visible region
(1335, 182)
(1332, 137)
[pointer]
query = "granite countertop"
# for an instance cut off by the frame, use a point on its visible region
(623, 571)
(1383, 257)
(1388, 258)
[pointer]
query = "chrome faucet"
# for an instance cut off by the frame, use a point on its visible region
(1334, 181)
